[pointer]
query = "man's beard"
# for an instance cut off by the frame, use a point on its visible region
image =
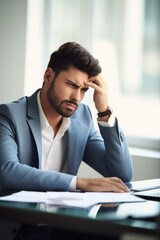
(59, 106)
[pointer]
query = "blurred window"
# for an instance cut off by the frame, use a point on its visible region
(127, 42)
(125, 36)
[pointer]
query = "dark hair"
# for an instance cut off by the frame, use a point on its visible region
(72, 53)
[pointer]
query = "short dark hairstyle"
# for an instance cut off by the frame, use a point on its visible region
(72, 53)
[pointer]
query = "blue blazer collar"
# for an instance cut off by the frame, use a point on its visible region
(34, 122)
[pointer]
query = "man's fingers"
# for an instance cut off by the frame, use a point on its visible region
(101, 185)
(119, 184)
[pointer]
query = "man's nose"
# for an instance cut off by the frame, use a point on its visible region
(77, 95)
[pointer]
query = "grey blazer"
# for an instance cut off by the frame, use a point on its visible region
(21, 148)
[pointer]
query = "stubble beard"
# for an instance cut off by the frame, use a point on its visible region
(57, 105)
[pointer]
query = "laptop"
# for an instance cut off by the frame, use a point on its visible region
(148, 189)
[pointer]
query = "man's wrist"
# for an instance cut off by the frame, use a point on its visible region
(109, 123)
(73, 184)
(107, 113)
(104, 119)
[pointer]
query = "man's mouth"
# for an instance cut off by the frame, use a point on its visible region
(71, 106)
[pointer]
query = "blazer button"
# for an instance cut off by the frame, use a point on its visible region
(121, 136)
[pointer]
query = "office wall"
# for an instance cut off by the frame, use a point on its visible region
(12, 48)
(12, 70)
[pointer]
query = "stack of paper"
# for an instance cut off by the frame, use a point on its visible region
(72, 199)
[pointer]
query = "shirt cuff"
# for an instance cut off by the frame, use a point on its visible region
(110, 123)
(73, 182)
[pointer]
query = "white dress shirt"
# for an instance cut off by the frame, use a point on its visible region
(54, 147)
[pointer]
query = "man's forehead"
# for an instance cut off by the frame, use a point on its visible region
(76, 76)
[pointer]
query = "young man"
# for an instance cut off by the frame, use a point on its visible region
(44, 137)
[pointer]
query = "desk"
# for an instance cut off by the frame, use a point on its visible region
(110, 221)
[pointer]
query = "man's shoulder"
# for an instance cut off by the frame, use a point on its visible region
(17, 104)
(13, 105)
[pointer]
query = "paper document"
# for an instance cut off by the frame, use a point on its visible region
(72, 199)
(88, 199)
(26, 196)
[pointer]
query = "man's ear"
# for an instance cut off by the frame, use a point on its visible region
(49, 75)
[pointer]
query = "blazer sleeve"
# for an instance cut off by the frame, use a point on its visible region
(107, 152)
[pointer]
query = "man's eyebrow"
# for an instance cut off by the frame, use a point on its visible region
(85, 89)
(72, 82)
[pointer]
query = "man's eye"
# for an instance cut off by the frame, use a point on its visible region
(71, 85)
(84, 89)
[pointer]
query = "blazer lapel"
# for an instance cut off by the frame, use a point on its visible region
(34, 122)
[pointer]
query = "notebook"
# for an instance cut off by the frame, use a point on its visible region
(153, 194)
(144, 185)
(148, 189)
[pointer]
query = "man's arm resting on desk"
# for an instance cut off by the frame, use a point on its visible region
(111, 184)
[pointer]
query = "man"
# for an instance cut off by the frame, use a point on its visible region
(44, 137)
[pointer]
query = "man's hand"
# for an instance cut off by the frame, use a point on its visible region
(100, 96)
(110, 184)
